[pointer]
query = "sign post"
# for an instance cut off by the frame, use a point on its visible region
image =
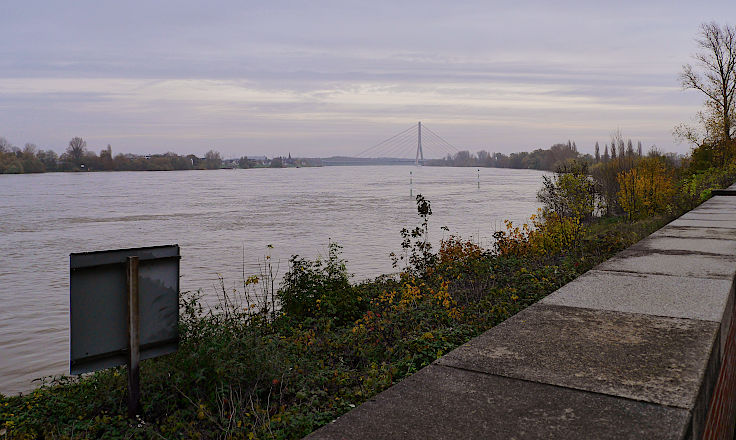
(134, 385)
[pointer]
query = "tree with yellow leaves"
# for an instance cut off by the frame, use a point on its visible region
(646, 189)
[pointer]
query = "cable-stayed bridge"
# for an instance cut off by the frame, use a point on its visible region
(416, 143)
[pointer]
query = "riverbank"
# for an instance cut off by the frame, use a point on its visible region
(337, 344)
(252, 369)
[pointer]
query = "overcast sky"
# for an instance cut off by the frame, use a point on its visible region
(318, 78)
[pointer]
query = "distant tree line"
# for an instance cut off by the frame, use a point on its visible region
(275, 162)
(77, 157)
(540, 159)
(549, 159)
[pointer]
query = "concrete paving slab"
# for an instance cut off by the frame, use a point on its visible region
(447, 403)
(704, 222)
(718, 202)
(696, 232)
(701, 245)
(719, 199)
(659, 295)
(716, 209)
(672, 262)
(706, 215)
(641, 357)
(721, 210)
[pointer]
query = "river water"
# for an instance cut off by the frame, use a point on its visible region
(223, 220)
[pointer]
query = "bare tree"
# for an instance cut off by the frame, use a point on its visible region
(213, 160)
(30, 149)
(613, 149)
(716, 78)
(5, 146)
(76, 149)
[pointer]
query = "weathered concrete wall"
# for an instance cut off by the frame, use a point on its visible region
(640, 347)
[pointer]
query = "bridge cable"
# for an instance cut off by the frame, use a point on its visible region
(441, 139)
(386, 140)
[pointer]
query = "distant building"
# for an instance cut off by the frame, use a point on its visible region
(289, 162)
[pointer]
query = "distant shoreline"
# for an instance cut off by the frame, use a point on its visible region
(31, 160)
(324, 162)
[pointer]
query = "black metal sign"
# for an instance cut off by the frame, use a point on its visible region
(124, 306)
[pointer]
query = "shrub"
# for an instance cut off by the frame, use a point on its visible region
(570, 193)
(417, 250)
(696, 188)
(319, 288)
(543, 236)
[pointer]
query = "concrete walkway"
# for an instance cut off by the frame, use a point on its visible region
(640, 347)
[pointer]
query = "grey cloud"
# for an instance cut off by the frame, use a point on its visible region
(449, 64)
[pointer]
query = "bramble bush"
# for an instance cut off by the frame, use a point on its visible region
(696, 187)
(318, 288)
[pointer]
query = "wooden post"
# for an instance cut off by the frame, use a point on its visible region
(134, 390)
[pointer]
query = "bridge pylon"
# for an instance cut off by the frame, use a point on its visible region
(414, 139)
(420, 153)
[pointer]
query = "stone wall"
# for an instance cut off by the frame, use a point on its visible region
(639, 347)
